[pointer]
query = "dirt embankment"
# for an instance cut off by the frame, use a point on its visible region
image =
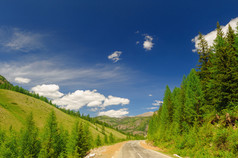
(106, 151)
(146, 145)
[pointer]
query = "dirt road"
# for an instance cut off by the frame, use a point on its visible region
(129, 149)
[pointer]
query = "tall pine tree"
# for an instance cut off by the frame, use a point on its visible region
(29, 141)
(51, 142)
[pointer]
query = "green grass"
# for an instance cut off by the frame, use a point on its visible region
(15, 107)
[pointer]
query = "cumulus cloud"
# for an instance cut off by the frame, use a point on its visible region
(148, 44)
(93, 99)
(150, 95)
(19, 40)
(152, 108)
(111, 100)
(50, 91)
(80, 98)
(114, 113)
(157, 103)
(210, 37)
(115, 56)
(22, 80)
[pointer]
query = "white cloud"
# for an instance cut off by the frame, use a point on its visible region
(19, 40)
(115, 56)
(22, 80)
(152, 108)
(148, 44)
(114, 113)
(50, 91)
(210, 37)
(157, 103)
(150, 95)
(79, 99)
(111, 100)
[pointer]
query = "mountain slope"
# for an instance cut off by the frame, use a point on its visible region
(147, 114)
(133, 125)
(5, 83)
(14, 108)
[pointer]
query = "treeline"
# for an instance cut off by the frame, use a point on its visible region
(200, 118)
(87, 117)
(54, 141)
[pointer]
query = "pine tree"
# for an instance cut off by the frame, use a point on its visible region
(9, 147)
(103, 129)
(78, 144)
(72, 147)
(2, 136)
(223, 85)
(233, 68)
(29, 142)
(51, 142)
(105, 139)
(193, 99)
(177, 115)
(152, 129)
(205, 64)
(98, 141)
(111, 138)
(82, 141)
(166, 114)
(88, 138)
(204, 55)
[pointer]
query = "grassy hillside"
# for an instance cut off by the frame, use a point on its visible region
(134, 125)
(14, 108)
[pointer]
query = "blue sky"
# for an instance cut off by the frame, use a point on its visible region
(61, 49)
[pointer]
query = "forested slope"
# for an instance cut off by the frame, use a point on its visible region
(200, 118)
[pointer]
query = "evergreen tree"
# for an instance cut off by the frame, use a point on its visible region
(88, 138)
(73, 140)
(9, 147)
(82, 140)
(193, 99)
(103, 129)
(223, 85)
(205, 64)
(2, 136)
(29, 142)
(77, 146)
(111, 138)
(98, 141)
(51, 142)
(105, 139)
(166, 113)
(177, 115)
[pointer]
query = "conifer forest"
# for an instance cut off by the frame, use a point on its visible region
(200, 118)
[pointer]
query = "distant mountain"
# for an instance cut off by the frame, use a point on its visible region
(147, 114)
(133, 125)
